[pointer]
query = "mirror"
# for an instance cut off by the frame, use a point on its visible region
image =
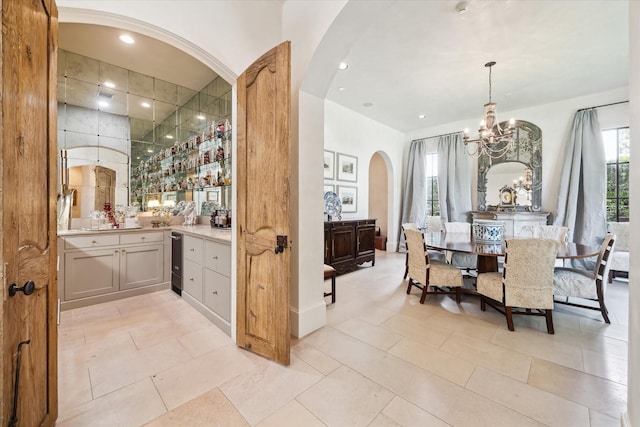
(524, 159)
(110, 119)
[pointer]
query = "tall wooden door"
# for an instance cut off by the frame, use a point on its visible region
(27, 213)
(262, 181)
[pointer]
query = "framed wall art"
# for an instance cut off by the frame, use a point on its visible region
(329, 164)
(329, 187)
(347, 168)
(349, 197)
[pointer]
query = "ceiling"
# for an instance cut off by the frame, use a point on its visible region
(408, 58)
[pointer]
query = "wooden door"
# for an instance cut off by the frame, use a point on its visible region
(27, 212)
(263, 276)
(105, 188)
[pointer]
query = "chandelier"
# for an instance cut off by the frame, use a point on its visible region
(492, 140)
(523, 184)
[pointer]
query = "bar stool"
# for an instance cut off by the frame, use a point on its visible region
(330, 273)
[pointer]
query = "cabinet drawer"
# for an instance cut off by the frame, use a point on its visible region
(217, 294)
(192, 249)
(151, 237)
(217, 257)
(192, 280)
(94, 241)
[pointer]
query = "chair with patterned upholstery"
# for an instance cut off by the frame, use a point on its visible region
(433, 254)
(620, 261)
(463, 261)
(425, 273)
(587, 285)
(525, 285)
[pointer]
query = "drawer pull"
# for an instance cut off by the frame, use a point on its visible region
(116, 251)
(143, 238)
(191, 279)
(215, 292)
(215, 257)
(94, 242)
(192, 249)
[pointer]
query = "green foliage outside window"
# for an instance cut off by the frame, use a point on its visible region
(617, 145)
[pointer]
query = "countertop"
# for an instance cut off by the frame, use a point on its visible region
(222, 235)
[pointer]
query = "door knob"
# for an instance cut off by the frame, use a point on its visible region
(28, 288)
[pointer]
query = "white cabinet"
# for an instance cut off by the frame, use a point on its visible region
(206, 281)
(102, 267)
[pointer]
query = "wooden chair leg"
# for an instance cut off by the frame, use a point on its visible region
(509, 314)
(458, 294)
(409, 285)
(603, 308)
(333, 289)
(483, 304)
(611, 276)
(406, 267)
(548, 314)
(424, 293)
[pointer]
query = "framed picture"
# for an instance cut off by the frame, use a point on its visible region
(349, 197)
(347, 168)
(329, 187)
(329, 164)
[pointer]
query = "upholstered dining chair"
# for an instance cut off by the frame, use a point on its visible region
(425, 273)
(433, 254)
(466, 262)
(525, 285)
(587, 285)
(557, 232)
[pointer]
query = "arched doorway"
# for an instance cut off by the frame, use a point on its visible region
(380, 191)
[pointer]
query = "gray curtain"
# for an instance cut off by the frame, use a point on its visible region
(583, 183)
(414, 198)
(454, 179)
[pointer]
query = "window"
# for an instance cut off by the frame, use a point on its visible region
(616, 147)
(433, 205)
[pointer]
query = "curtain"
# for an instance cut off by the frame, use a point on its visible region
(454, 179)
(583, 182)
(414, 199)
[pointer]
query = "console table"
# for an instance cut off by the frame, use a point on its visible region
(348, 244)
(513, 221)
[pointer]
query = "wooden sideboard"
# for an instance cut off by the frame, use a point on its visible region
(348, 244)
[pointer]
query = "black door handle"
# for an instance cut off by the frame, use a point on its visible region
(28, 288)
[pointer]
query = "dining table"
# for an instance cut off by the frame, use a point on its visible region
(488, 252)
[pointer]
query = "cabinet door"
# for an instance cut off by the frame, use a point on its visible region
(366, 238)
(89, 273)
(192, 279)
(343, 243)
(141, 266)
(217, 294)
(327, 243)
(217, 257)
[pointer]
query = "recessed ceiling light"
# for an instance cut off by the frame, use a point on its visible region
(145, 104)
(169, 136)
(109, 84)
(201, 117)
(462, 7)
(341, 89)
(368, 104)
(137, 157)
(149, 150)
(103, 104)
(343, 66)
(422, 116)
(126, 38)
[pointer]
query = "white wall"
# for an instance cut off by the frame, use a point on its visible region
(356, 135)
(555, 121)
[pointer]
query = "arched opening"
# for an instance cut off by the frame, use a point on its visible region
(380, 192)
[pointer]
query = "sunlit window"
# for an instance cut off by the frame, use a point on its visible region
(433, 205)
(616, 147)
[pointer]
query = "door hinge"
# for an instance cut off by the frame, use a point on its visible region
(281, 244)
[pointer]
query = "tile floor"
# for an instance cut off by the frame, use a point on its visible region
(382, 360)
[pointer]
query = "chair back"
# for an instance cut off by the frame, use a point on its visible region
(621, 231)
(603, 264)
(418, 259)
(555, 232)
(409, 226)
(457, 227)
(528, 272)
(434, 224)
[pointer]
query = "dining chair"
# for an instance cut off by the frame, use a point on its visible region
(620, 257)
(425, 273)
(557, 232)
(587, 285)
(463, 261)
(525, 285)
(433, 254)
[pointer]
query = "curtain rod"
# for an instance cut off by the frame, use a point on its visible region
(604, 105)
(438, 136)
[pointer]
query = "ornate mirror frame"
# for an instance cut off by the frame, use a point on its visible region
(527, 149)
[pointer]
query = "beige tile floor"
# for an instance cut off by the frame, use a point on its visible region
(382, 360)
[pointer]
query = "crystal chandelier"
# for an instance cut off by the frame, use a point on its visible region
(492, 141)
(523, 184)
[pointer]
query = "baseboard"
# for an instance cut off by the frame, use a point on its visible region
(98, 299)
(309, 320)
